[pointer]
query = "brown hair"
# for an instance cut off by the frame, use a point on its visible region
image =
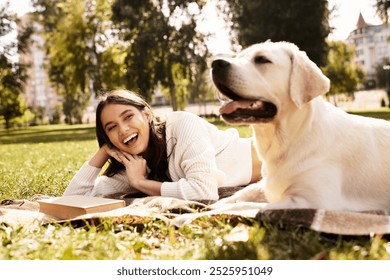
(156, 155)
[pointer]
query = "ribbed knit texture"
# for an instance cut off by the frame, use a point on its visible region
(88, 182)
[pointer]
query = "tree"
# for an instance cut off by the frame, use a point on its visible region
(382, 9)
(68, 59)
(341, 70)
(82, 61)
(305, 23)
(12, 73)
(105, 52)
(163, 44)
(382, 74)
(11, 103)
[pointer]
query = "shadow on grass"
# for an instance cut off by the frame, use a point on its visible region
(47, 134)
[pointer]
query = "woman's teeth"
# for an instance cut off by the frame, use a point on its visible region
(131, 137)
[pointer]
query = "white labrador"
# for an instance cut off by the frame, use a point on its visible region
(314, 155)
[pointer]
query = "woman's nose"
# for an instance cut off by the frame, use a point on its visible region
(123, 129)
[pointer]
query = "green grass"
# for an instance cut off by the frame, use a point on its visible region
(43, 159)
(380, 114)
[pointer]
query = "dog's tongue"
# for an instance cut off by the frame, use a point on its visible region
(234, 105)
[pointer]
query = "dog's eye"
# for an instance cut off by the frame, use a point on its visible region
(260, 59)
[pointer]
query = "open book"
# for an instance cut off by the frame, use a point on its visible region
(67, 207)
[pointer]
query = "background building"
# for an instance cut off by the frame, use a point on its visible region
(372, 45)
(40, 98)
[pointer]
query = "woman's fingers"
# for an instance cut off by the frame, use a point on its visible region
(123, 157)
(113, 152)
(118, 156)
(131, 157)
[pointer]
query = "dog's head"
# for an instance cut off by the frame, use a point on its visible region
(266, 79)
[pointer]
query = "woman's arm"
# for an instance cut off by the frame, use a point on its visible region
(88, 182)
(83, 181)
(101, 156)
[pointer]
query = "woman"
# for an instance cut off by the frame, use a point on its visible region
(183, 157)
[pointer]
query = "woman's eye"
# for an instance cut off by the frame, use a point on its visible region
(111, 127)
(128, 117)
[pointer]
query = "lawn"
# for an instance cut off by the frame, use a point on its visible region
(43, 159)
(380, 114)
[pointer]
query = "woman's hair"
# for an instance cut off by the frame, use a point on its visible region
(156, 156)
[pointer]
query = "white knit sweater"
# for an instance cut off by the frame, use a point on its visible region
(201, 158)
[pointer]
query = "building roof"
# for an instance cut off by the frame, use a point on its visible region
(361, 23)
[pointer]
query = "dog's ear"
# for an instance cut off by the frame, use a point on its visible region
(306, 81)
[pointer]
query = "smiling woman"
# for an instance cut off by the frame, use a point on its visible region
(126, 127)
(183, 157)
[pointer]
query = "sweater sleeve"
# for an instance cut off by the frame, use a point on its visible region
(193, 162)
(88, 182)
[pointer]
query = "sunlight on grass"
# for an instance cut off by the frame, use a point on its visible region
(45, 168)
(42, 159)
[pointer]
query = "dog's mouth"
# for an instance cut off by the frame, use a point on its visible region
(236, 109)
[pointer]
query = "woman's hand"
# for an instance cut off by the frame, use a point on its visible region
(136, 168)
(136, 172)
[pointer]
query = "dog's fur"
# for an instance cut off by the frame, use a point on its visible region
(313, 154)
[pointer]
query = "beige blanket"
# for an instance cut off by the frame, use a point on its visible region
(179, 212)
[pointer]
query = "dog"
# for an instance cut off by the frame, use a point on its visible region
(314, 155)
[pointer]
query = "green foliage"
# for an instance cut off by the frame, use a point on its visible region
(164, 45)
(150, 42)
(83, 59)
(68, 60)
(344, 74)
(12, 74)
(383, 75)
(27, 118)
(11, 103)
(181, 82)
(113, 67)
(382, 9)
(304, 23)
(201, 89)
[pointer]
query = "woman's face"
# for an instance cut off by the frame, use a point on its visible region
(126, 127)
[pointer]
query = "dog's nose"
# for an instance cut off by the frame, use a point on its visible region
(219, 63)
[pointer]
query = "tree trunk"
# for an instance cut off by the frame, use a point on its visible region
(172, 91)
(7, 123)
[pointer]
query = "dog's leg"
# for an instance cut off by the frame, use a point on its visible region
(290, 202)
(251, 193)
